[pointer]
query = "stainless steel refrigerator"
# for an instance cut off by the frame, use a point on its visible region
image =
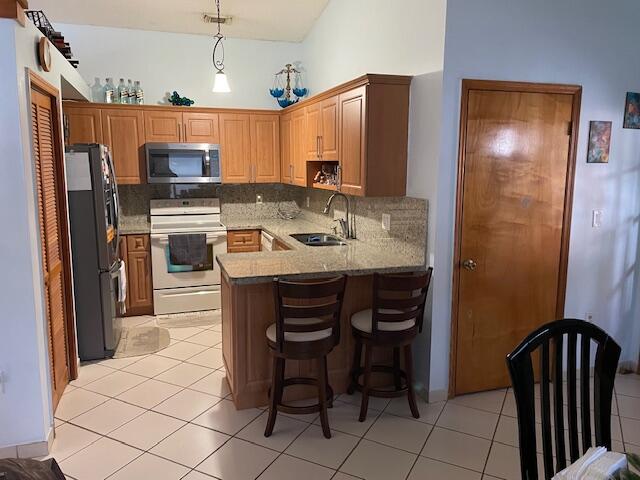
(93, 216)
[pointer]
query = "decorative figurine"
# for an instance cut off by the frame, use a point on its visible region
(283, 93)
(177, 101)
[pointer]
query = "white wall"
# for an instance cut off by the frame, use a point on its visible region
(164, 62)
(25, 403)
(354, 37)
(586, 42)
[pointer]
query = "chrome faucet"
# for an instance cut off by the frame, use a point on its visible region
(345, 224)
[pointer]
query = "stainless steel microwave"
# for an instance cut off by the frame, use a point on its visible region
(183, 163)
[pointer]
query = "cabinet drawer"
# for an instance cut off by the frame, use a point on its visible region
(243, 240)
(137, 243)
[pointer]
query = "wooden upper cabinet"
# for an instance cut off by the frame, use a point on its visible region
(201, 127)
(163, 126)
(298, 160)
(123, 131)
(285, 148)
(313, 131)
(329, 133)
(84, 125)
(352, 107)
(265, 148)
(235, 147)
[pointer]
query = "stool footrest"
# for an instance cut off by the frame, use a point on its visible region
(378, 392)
(302, 410)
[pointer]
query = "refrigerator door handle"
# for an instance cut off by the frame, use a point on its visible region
(116, 202)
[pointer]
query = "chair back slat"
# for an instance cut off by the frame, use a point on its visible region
(558, 402)
(585, 396)
(545, 409)
(399, 298)
(309, 311)
(303, 307)
(572, 401)
(550, 341)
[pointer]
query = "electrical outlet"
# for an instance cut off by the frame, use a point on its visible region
(588, 317)
(259, 199)
(308, 202)
(386, 221)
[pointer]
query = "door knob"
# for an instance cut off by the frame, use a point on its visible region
(469, 264)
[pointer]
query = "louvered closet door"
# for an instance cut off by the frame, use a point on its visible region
(49, 215)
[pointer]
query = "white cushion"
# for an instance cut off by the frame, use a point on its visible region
(300, 336)
(362, 321)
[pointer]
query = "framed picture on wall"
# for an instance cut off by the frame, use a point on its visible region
(599, 142)
(632, 111)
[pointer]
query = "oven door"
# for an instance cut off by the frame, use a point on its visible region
(183, 163)
(167, 275)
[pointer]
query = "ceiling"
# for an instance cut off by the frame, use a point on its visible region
(255, 19)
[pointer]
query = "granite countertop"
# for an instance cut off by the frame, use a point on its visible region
(355, 258)
(135, 225)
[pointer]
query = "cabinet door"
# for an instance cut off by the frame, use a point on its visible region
(85, 125)
(352, 115)
(140, 286)
(200, 128)
(313, 129)
(329, 131)
(123, 131)
(265, 148)
(235, 148)
(298, 159)
(285, 149)
(163, 126)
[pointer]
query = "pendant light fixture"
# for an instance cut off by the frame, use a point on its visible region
(220, 82)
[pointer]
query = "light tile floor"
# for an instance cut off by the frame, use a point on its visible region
(166, 417)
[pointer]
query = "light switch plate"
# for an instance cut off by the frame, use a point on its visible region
(596, 218)
(386, 221)
(259, 199)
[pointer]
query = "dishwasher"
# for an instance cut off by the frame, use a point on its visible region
(266, 242)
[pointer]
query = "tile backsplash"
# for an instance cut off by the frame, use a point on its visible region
(408, 215)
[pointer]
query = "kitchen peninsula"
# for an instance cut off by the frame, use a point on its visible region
(248, 303)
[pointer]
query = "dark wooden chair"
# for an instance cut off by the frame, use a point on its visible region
(394, 320)
(548, 342)
(307, 328)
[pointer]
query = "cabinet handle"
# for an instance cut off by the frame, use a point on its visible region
(318, 146)
(184, 139)
(179, 131)
(290, 173)
(339, 177)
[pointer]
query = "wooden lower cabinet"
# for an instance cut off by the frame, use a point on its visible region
(239, 241)
(135, 250)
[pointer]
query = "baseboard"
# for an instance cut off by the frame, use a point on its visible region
(438, 396)
(29, 450)
(628, 367)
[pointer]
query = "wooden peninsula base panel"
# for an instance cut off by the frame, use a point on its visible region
(247, 311)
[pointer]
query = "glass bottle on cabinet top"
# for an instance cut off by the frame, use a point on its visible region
(131, 92)
(123, 92)
(139, 93)
(109, 91)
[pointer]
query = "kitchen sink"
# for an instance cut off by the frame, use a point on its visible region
(318, 239)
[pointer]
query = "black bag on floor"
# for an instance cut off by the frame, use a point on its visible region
(25, 469)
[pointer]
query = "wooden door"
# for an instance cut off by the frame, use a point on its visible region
(352, 118)
(285, 149)
(313, 131)
(123, 131)
(164, 126)
(53, 240)
(140, 286)
(517, 157)
(329, 132)
(265, 148)
(84, 125)
(298, 160)
(201, 127)
(235, 147)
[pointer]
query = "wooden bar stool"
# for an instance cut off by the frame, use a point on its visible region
(393, 322)
(307, 328)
